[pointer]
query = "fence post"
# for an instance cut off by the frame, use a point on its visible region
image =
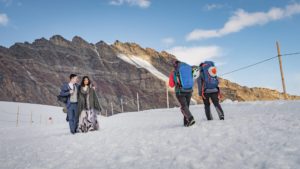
(168, 104)
(112, 108)
(138, 101)
(122, 105)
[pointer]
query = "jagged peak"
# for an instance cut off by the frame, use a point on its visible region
(117, 42)
(152, 51)
(78, 39)
(102, 43)
(19, 44)
(59, 40)
(27, 43)
(40, 41)
(147, 53)
(167, 55)
(131, 44)
(58, 37)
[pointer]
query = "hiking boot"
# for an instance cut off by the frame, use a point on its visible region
(222, 118)
(191, 122)
(185, 122)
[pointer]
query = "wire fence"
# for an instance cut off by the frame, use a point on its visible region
(259, 62)
(23, 117)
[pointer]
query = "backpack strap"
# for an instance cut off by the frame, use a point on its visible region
(177, 83)
(202, 90)
(202, 82)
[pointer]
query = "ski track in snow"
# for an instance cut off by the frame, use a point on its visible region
(253, 135)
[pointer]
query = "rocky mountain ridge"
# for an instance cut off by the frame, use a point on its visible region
(34, 72)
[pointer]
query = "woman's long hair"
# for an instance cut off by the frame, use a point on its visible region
(82, 82)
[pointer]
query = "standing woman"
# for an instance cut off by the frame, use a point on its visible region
(88, 107)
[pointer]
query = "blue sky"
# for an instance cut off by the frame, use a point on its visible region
(232, 33)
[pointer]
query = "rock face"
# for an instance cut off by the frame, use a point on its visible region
(34, 72)
(242, 93)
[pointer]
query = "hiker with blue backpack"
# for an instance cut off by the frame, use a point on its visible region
(208, 88)
(182, 79)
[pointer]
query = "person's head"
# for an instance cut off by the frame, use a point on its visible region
(73, 78)
(175, 63)
(85, 81)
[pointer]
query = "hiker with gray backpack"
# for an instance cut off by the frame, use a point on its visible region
(182, 79)
(208, 88)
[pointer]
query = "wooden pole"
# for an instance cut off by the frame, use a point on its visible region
(122, 105)
(18, 111)
(112, 108)
(168, 104)
(137, 100)
(281, 70)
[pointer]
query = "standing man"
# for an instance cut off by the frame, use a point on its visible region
(182, 79)
(208, 88)
(70, 90)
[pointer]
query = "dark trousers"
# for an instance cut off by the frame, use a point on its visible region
(72, 117)
(184, 100)
(214, 98)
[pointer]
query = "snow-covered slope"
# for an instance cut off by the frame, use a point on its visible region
(254, 135)
(141, 63)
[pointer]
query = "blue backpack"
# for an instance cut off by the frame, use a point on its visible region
(184, 72)
(209, 81)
